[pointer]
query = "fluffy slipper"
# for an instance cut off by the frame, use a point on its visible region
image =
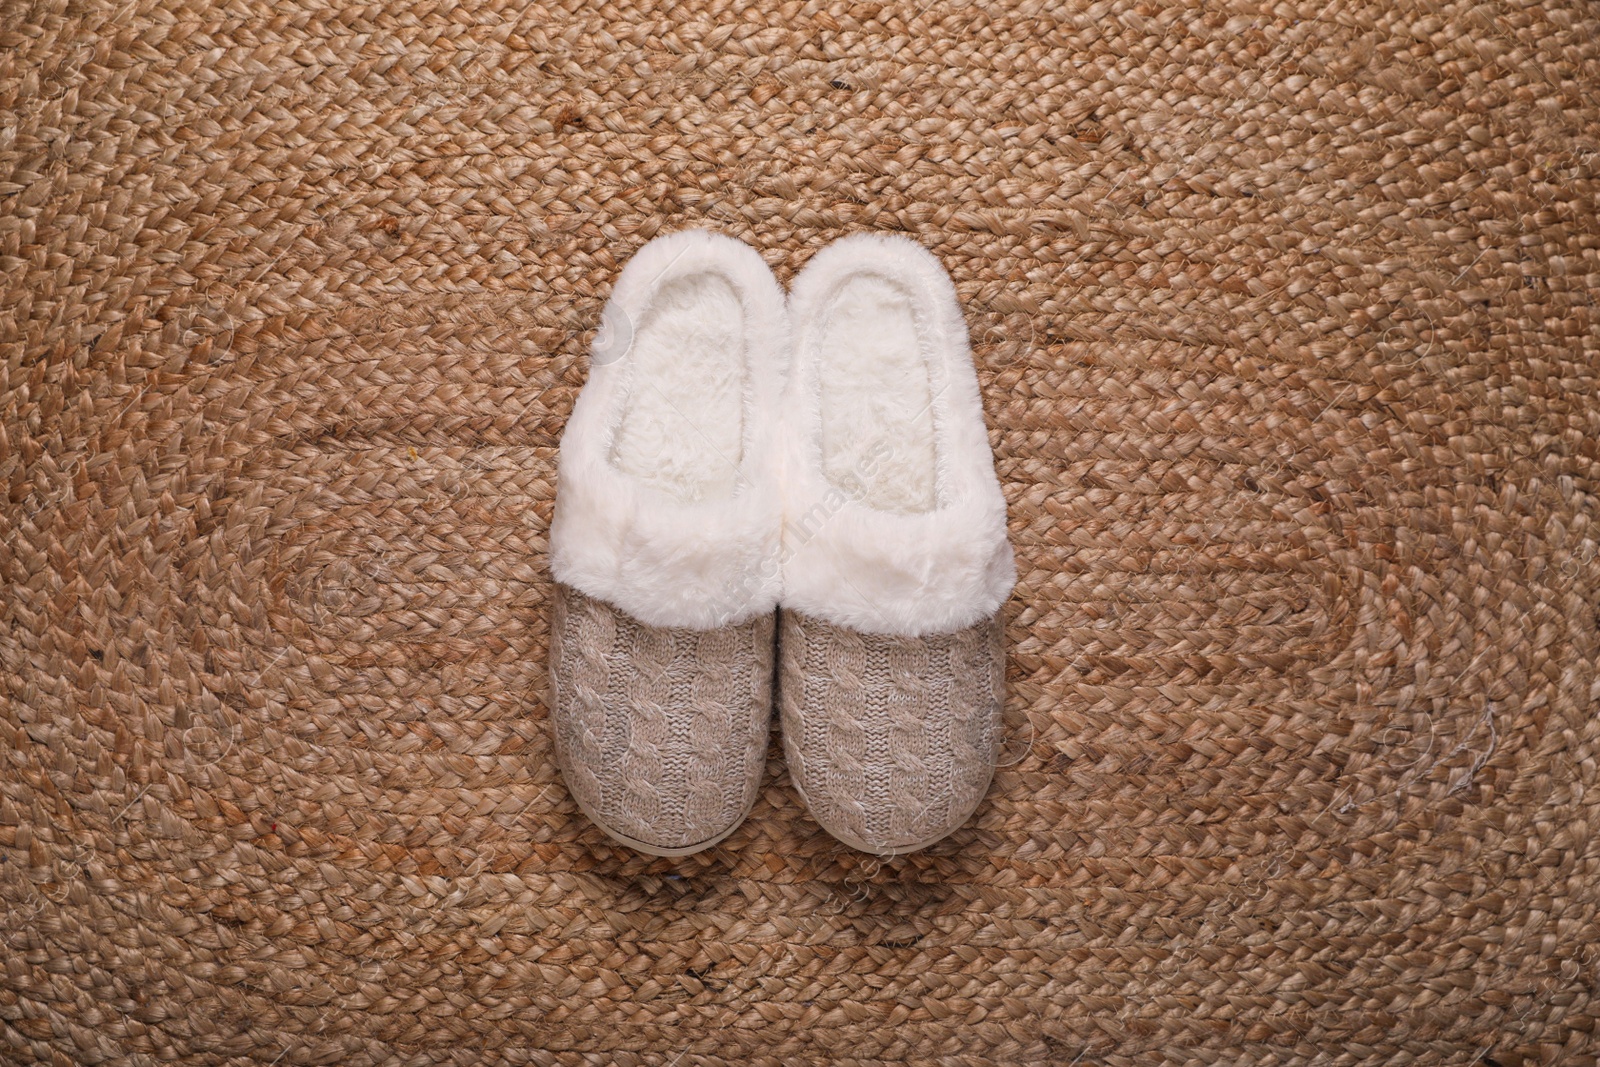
(896, 560)
(664, 546)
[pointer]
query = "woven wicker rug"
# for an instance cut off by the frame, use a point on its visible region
(1285, 318)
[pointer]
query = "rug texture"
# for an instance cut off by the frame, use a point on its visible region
(1285, 319)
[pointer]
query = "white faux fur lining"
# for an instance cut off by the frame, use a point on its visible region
(878, 570)
(654, 547)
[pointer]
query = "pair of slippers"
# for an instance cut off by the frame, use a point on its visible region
(759, 492)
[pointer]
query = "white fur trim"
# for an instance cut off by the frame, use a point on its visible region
(666, 560)
(883, 571)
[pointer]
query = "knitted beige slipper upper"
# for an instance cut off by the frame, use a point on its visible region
(660, 732)
(890, 740)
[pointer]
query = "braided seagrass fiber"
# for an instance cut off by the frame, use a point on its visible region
(891, 740)
(1284, 318)
(661, 733)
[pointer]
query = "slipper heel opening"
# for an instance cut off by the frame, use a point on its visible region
(875, 398)
(681, 425)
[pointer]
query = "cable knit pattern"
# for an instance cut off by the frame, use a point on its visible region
(891, 740)
(660, 733)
